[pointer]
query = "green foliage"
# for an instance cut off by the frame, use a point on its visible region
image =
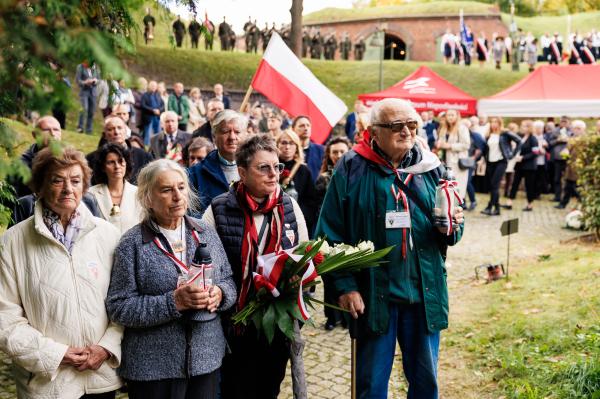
(587, 163)
(534, 338)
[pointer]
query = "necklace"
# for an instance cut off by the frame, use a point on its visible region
(179, 245)
(116, 200)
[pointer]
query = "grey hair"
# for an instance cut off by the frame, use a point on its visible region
(224, 117)
(538, 124)
(147, 180)
(252, 145)
(164, 115)
(381, 107)
(578, 123)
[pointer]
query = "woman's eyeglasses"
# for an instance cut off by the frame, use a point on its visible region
(398, 126)
(265, 169)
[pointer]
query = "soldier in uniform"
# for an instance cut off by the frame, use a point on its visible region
(305, 42)
(232, 40)
(255, 37)
(178, 31)
(194, 29)
(149, 23)
(331, 46)
(316, 45)
(345, 46)
(359, 49)
(285, 33)
(224, 29)
(247, 35)
(208, 30)
(265, 36)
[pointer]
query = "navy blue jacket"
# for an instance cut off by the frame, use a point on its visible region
(313, 157)
(208, 179)
(151, 101)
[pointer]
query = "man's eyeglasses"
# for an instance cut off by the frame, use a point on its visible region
(265, 169)
(398, 126)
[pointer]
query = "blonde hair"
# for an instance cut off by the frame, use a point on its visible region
(445, 128)
(500, 125)
(294, 137)
(147, 180)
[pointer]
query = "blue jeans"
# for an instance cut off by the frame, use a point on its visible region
(87, 100)
(375, 356)
(470, 186)
(151, 128)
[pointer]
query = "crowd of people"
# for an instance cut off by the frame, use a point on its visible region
(92, 268)
(463, 47)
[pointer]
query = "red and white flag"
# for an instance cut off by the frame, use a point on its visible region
(289, 84)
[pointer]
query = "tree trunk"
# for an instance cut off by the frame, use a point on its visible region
(296, 31)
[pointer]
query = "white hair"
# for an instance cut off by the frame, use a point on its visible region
(164, 115)
(147, 180)
(226, 116)
(380, 108)
(578, 123)
(538, 124)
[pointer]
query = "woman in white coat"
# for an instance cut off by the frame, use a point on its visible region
(455, 140)
(54, 273)
(116, 197)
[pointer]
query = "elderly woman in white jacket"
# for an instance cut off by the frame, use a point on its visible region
(54, 273)
(116, 197)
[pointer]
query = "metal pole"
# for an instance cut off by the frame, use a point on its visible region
(508, 258)
(381, 50)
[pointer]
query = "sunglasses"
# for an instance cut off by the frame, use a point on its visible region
(398, 126)
(265, 169)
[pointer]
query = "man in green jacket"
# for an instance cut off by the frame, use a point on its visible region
(179, 103)
(405, 300)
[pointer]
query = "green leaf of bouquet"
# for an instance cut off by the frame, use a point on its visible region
(268, 323)
(308, 255)
(329, 305)
(284, 320)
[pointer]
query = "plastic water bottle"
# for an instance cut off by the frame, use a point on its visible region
(201, 270)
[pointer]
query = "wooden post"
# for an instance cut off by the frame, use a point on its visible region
(246, 99)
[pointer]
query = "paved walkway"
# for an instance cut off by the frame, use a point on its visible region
(327, 354)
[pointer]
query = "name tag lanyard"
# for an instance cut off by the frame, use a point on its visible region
(398, 194)
(181, 267)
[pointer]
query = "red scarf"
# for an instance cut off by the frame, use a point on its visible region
(364, 148)
(274, 203)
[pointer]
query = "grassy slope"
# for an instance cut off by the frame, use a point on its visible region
(583, 22)
(539, 336)
(435, 7)
(345, 78)
(82, 142)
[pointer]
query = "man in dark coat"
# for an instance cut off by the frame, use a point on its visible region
(218, 170)
(345, 46)
(359, 49)
(219, 95)
(169, 143)
(316, 45)
(223, 32)
(305, 42)
(213, 107)
(149, 24)
(178, 31)
(114, 132)
(195, 29)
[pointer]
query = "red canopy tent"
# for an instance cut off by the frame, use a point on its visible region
(426, 90)
(550, 91)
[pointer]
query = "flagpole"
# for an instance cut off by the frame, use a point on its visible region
(246, 99)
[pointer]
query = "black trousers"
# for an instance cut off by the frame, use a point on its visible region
(530, 189)
(493, 175)
(203, 386)
(254, 369)
(329, 294)
(105, 395)
(570, 191)
(559, 169)
(541, 181)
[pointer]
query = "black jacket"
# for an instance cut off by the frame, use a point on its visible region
(506, 138)
(204, 131)
(529, 161)
(307, 195)
(158, 143)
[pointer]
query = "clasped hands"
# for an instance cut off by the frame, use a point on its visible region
(87, 358)
(189, 296)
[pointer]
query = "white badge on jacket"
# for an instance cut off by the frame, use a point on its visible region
(397, 220)
(291, 236)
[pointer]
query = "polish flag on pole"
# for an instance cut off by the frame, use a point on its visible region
(289, 84)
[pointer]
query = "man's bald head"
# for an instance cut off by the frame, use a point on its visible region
(48, 128)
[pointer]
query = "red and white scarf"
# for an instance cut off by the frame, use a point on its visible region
(250, 251)
(482, 48)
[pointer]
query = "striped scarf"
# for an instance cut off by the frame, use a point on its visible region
(250, 251)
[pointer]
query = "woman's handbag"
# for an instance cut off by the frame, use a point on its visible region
(466, 163)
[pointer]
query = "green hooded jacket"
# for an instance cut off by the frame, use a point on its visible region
(354, 210)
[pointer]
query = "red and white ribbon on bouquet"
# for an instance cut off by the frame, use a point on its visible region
(448, 185)
(269, 271)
